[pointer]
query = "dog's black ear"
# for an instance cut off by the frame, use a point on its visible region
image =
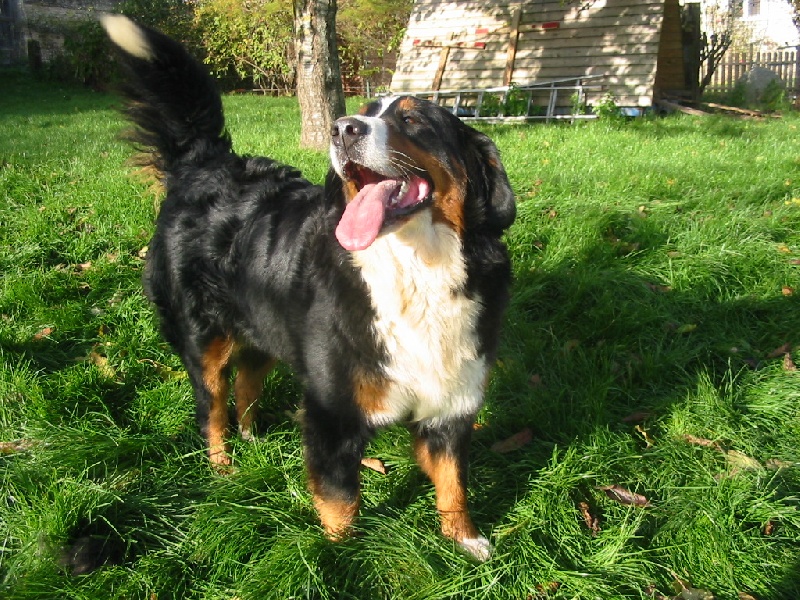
(500, 206)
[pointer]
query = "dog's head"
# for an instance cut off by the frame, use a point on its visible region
(401, 156)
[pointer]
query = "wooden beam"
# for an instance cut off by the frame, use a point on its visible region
(443, 56)
(680, 108)
(512, 47)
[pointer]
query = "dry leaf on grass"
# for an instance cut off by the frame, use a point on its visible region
(592, 522)
(15, 446)
(515, 442)
(739, 460)
(780, 350)
(102, 364)
(776, 464)
(788, 363)
(686, 592)
(698, 441)
(166, 373)
(43, 333)
(375, 464)
(648, 440)
(768, 529)
(543, 590)
(695, 594)
(624, 496)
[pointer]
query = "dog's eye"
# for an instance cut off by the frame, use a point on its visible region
(409, 120)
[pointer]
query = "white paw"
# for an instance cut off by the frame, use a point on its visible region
(247, 435)
(479, 548)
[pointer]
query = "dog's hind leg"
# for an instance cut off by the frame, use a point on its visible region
(251, 368)
(210, 378)
(441, 452)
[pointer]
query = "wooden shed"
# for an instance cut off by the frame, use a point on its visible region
(630, 48)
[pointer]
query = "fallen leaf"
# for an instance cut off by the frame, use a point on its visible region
(653, 592)
(637, 417)
(788, 363)
(775, 464)
(769, 527)
(745, 596)
(82, 267)
(686, 328)
(166, 373)
(624, 496)
(535, 381)
(783, 248)
(102, 364)
(515, 442)
(695, 594)
(654, 287)
(780, 350)
(698, 441)
(648, 440)
(739, 460)
(375, 464)
(43, 333)
(787, 290)
(592, 522)
(15, 446)
(143, 252)
(543, 590)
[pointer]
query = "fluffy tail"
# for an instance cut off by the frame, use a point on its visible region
(171, 98)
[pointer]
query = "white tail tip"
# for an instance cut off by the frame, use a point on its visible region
(127, 35)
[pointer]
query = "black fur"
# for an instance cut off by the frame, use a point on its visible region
(244, 250)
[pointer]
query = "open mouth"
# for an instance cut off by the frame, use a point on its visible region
(381, 200)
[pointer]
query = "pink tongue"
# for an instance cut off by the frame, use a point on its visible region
(363, 217)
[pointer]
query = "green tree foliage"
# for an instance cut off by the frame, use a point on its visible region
(250, 39)
(368, 29)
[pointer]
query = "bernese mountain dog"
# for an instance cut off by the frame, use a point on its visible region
(384, 290)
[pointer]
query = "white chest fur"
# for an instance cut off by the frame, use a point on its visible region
(416, 278)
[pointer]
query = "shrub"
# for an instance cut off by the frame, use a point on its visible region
(252, 40)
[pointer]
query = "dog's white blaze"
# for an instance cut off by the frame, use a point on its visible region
(127, 35)
(385, 103)
(415, 276)
(372, 150)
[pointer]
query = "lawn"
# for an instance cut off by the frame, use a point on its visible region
(646, 393)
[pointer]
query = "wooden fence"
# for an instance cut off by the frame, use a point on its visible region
(736, 64)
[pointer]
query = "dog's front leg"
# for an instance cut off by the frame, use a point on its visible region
(334, 445)
(442, 453)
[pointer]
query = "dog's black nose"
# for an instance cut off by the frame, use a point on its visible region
(347, 130)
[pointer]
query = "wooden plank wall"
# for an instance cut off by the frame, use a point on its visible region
(618, 39)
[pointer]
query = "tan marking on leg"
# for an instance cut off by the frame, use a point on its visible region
(215, 364)
(370, 394)
(246, 389)
(451, 492)
(335, 514)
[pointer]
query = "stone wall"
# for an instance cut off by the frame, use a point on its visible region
(46, 22)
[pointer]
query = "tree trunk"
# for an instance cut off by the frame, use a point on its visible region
(319, 79)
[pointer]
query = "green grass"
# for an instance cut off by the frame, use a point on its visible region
(656, 271)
